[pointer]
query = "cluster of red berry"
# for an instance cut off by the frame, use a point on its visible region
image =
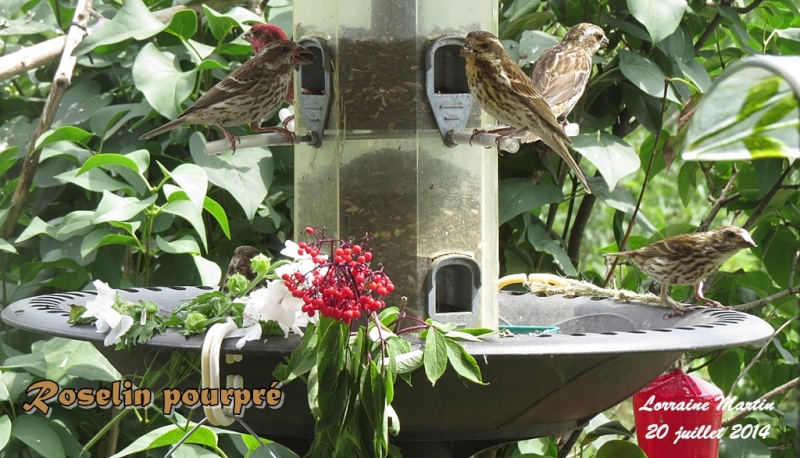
(341, 286)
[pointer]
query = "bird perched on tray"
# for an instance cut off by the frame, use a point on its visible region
(249, 93)
(508, 95)
(240, 264)
(560, 74)
(261, 35)
(687, 259)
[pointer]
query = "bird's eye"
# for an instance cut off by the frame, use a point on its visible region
(285, 49)
(729, 234)
(484, 45)
(599, 36)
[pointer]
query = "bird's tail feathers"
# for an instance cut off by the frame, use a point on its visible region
(556, 143)
(160, 130)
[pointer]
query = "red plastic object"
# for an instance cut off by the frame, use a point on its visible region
(677, 415)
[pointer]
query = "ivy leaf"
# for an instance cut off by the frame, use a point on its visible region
(645, 74)
(660, 18)
(518, 195)
(541, 241)
(246, 175)
(613, 157)
(133, 20)
(159, 77)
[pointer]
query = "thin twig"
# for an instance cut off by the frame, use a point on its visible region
(644, 182)
(766, 199)
(712, 26)
(758, 355)
(787, 292)
(783, 389)
(719, 202)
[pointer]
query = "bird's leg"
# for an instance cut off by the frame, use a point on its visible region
(288, 134)
(502, 131)
(698, 292)
(231, 138)
(677, 310)
(286, 121)
(505, 133)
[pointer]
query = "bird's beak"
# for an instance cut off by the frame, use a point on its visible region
(248, 37)
(302, 56)
(748, 241)
(604, 42)
(467, 51)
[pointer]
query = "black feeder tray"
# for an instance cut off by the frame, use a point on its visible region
(537, 384)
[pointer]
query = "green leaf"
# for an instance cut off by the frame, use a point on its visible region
(169, 435)
(743, 448)
(246, 175)
(221, 25)
(645, 74)
(102, 237)
(183, 24)
(660, 18)
(185, 244)
(613, 157)
(106, 159)
(115, 208)
(159, 77)
(532, 44)
(749, 113)
(93, 180)
(724, 369)
(463, 362)
(210, 273)
(759, 95)
(542, 241)
(181, 206)
(216, 210)
(620, 449)
(194, 182)
(620, 199)
(133, 20)
(63, 133)
(434, 356)
(612, 428)
(518, 195)
(302, 359)
(36, 432)
(6, 246)
(66, 357)
(5, 430)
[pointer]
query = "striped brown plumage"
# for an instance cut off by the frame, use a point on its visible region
(560, 74)
(241, 264)
(248, 94)
(506, 93)
(688, 259)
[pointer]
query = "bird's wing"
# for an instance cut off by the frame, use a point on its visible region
(241, 80)
(521, 85)
(560, 74)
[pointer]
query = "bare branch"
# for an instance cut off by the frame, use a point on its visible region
(783, 389)
(719, 202)
(760, 352)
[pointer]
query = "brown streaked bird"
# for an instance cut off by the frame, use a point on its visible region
(261, 35)
(249, 93)
(240, 264)
(508, 95)
(560, 74)
(687, 259)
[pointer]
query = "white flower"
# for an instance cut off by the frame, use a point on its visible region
(303, 263)
(275, 302)
(108, 318)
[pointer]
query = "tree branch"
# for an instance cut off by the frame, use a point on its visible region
(47, 52)
(783, 389)
(766, 199)
(719, 202)
(788, 291)
(760, 352)
(712, 26)
(61, 81)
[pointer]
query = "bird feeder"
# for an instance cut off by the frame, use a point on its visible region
(678, 415)
(386, 89)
